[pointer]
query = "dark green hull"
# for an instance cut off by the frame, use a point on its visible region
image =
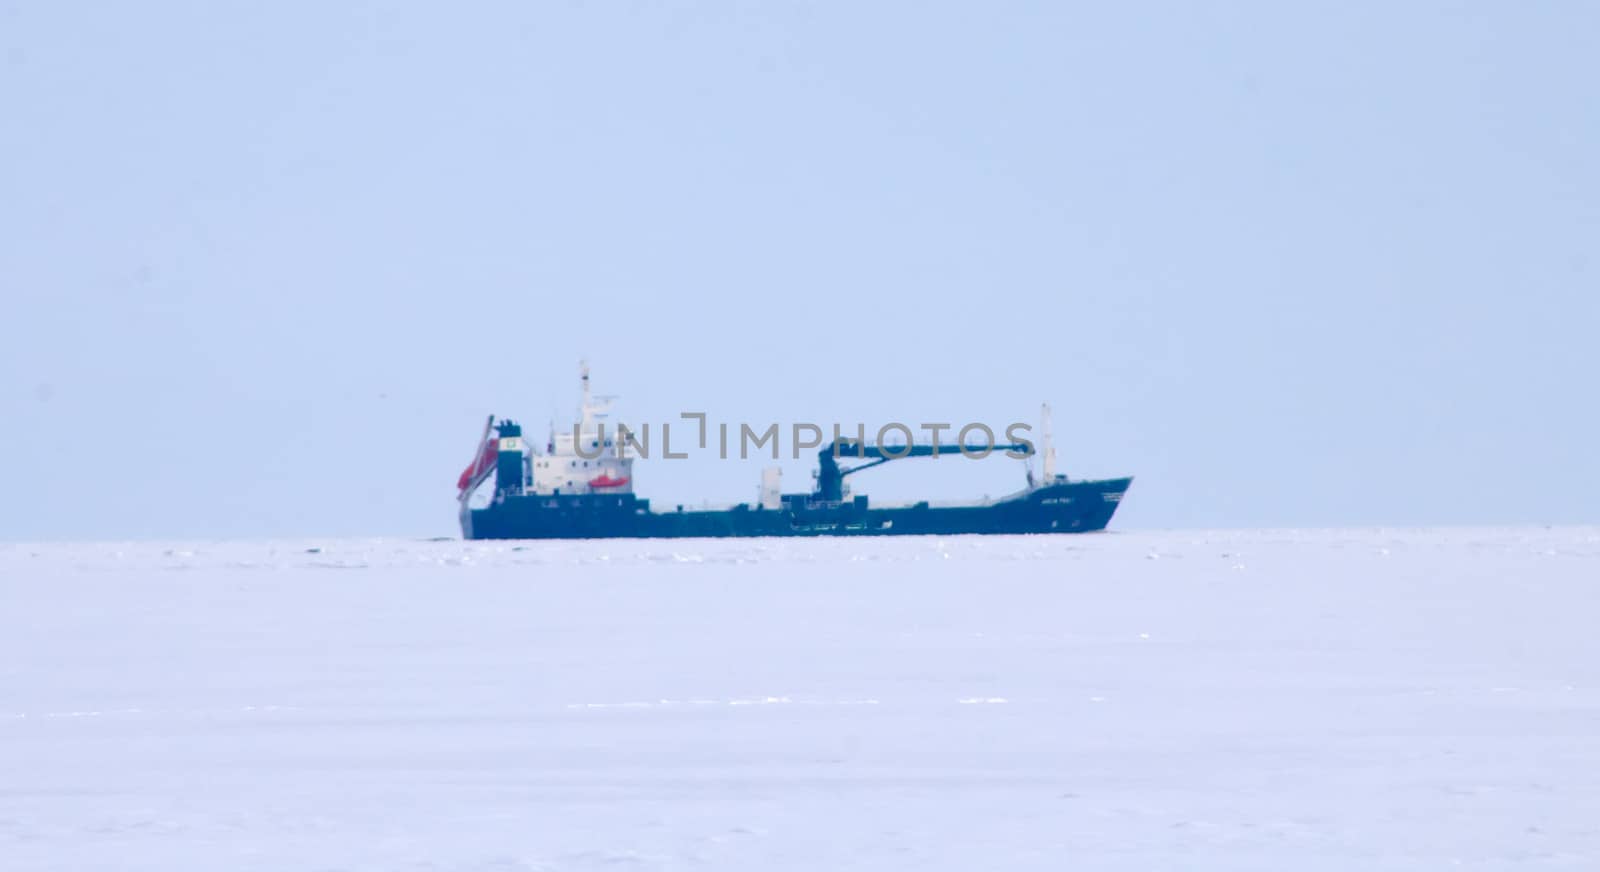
(1063, 507)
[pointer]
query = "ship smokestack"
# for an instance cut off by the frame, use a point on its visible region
(508, 464)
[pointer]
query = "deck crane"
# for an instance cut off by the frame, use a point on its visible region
(830, 476)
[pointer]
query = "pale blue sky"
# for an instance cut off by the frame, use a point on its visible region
(266, 266)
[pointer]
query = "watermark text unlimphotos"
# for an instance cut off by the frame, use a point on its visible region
(743, 440)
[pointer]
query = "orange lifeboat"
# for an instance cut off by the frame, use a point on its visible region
(605, 480)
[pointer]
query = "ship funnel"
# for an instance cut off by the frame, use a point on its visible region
(508, 459)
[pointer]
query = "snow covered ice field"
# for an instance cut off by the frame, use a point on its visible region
(1261, 700)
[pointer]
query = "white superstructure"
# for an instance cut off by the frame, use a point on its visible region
(770, 494)
(591, 463)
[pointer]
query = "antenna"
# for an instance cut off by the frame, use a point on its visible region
(585, 410)
(594, 406)
(1049, 446)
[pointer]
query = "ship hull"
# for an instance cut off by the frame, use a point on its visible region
(1069, 507)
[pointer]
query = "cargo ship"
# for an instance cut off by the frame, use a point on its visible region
(581, 486)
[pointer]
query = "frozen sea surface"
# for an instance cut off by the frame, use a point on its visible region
(1262, 700)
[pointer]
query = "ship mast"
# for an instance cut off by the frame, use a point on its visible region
(596, 407)
(583, 385)
(1048, 445)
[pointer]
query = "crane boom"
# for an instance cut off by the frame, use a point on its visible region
(830, 476)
